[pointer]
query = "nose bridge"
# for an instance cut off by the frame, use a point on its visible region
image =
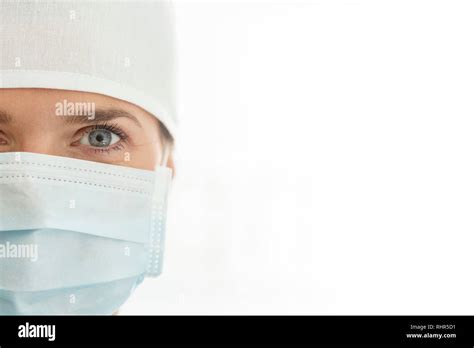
(36, 138)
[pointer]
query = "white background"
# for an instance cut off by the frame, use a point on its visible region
(325, 160)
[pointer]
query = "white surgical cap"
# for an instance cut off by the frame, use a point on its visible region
(123, 49)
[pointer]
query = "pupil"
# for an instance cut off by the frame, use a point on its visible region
(100, 138)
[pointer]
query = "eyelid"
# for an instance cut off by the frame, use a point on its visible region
(3, 134)
(114, 128)
(3, 141)
(115, 147)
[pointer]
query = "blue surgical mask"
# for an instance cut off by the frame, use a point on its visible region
(77, 237)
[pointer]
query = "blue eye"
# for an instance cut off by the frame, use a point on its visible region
(100, 138)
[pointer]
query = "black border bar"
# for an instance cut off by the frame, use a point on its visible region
(241, 330)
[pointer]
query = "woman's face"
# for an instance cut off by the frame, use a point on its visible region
(80, 125)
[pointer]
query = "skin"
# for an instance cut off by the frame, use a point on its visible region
(29, 123)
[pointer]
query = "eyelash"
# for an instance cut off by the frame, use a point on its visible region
(113, 128)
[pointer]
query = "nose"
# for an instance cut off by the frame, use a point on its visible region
(40, 142)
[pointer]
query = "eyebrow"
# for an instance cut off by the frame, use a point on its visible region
(101, 115)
